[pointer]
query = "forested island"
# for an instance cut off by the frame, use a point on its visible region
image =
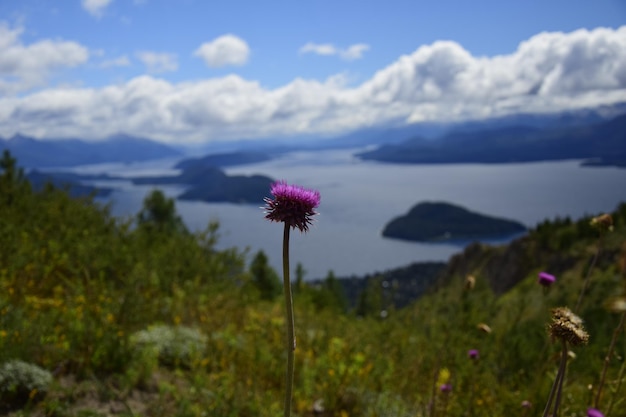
(205, 179)
(437, 221)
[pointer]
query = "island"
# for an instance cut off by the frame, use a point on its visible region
(222, 160)
(439, 221)
(211, 184)
(203, 183)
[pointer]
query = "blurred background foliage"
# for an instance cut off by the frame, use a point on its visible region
(79, 287)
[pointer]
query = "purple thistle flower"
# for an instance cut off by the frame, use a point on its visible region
(592, 412)
(473, 354)
(292, 204)
(445, 388)
(546, 279)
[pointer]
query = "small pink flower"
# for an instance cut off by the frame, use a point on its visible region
(473, 354)
(592, 412)
(445, 388)
(546, 279)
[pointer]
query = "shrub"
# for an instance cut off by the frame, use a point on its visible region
(173, 346)
(21, 382)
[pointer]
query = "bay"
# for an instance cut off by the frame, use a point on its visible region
(360, 197)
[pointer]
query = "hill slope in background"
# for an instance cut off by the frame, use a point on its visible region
(428, 221)
(34, 153)
(599, 144)
(71, 274)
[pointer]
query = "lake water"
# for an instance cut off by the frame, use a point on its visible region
(360, 197)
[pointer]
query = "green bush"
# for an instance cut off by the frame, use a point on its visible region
(172, 345)
(21, 382)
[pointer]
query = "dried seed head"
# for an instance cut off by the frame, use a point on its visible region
(604, 223)
(617, 305)
(567, 326)
(470, 282)
(484, 328)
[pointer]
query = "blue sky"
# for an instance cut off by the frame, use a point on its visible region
(196, 71)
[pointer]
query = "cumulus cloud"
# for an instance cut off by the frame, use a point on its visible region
(95, 7)
(157, 62)
(26, 66)
(350, 53)
(437, 82)
(223, 51)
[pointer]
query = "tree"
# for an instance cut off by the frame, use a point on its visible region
(371, 302)
(300, 273)
(330, 294)
(264, 277)
(12, 181)
(159, 214)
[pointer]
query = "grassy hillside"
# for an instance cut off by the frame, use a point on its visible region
(141, 317)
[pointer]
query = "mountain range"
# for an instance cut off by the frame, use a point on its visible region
(33, 153)
(602, 143)
(514, 138)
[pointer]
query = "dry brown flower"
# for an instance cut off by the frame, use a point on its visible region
(567, 326)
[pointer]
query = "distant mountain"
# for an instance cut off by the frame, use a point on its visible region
(34, 153)
(70, 182)
(428, 222)
(600, 144)
(224, 160)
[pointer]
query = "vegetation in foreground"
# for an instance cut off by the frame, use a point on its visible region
(101, 316)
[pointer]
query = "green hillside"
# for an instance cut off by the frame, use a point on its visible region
(141, 317)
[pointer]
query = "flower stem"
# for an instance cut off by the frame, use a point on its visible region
(607, 359)
(291, 339)
(559, 391)
(557, 383)
(586, 281)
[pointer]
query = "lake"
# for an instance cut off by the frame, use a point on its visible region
(359, 197)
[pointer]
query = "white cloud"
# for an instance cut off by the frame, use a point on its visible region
(318, 48)
(223, 51)
(354, 51)
(351, 53)
(442, 81)
(95, 7)
(120, 61)
(26, 66)
(158, 62)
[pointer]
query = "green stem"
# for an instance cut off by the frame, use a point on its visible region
(291, 338)
(607, 359)
(559, 391)
(593, 263)
(557, 381)
(620, 379)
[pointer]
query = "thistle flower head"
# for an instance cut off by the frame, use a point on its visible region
(567, 326)
(546, 279)
(292, 205)
(592, 412)
(473, 354)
